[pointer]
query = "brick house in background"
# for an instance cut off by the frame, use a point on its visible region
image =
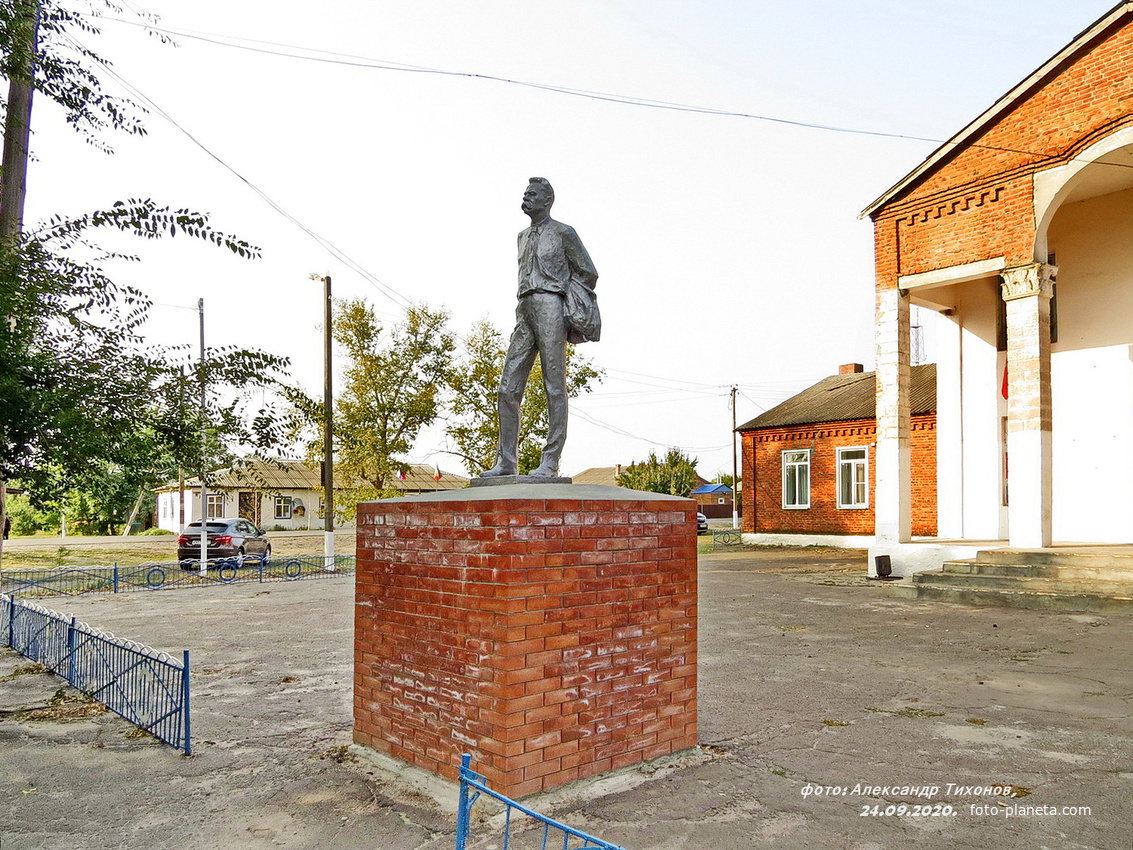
(713, 500)
(1034, 378)
(808, 463)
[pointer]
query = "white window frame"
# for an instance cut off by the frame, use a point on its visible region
(214, 509)
(284, 505)
(791, 467)
(858, 467)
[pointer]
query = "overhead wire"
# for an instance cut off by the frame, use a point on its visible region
(694, 387)
(402, 301)
(353, 60)
(574, 411)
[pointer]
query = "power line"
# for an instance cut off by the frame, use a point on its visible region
(622, 432)
(402, 301)
(352, 60)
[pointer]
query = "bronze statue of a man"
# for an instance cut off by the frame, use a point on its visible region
(551, 259)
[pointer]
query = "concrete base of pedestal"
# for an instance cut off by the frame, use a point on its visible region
(548, 630)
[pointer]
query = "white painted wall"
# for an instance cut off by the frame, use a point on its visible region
(969, 407)
(167, 516)
(1092, 370)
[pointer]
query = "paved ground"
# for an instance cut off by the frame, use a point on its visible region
(810, 679)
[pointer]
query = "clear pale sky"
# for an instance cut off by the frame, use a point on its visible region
(729, 249)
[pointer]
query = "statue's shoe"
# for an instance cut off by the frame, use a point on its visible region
(498, 470)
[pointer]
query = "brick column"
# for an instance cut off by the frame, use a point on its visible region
(549, 630)
(893, 490)
(1027, 291)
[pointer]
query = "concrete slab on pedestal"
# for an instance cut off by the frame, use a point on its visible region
(503, 480)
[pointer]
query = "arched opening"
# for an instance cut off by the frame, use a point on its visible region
(1084, 211)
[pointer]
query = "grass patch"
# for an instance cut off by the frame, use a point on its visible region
(836, 723)
(24, 670)
(146, 549)
(137, 733)
(975, 721)
(63, 706)
(916, 712)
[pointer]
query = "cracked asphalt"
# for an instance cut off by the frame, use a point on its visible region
(825, 706)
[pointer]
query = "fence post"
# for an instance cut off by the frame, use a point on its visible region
(12, 623)
(185, 700)
(115, 576)
(71, 652)
(463, 807)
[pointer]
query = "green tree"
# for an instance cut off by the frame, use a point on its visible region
(79, 388)
(473, 424)
(392, 388)
(675, 475)
(39, 35)
(80, 394)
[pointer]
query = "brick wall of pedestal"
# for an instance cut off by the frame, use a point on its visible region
(551, 638)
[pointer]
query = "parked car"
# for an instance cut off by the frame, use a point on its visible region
(234, 537)
(701, 523)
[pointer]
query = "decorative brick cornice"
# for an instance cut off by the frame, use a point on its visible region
(1028, 280)
(969, 201)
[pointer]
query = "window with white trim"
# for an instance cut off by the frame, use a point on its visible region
(853, 477)
(796, 478)
(215, 505)
(283, 507)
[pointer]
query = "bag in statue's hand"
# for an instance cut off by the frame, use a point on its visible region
(584, 322)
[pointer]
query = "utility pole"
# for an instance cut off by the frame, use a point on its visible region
(204, 419)
(735, 466)
(328, 427)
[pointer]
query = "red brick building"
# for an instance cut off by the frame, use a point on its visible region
(1016, 233)
(808, 462)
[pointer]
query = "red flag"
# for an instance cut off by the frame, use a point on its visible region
(1004, 390)
(437, 474)
(401, 474)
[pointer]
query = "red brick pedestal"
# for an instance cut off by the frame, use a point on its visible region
(550, 631)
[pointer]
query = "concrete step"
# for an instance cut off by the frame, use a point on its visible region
(1023, 582)
(1084, 569)
(1043, 600)
(1113, 557)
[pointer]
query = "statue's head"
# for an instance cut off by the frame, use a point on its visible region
(538, 197)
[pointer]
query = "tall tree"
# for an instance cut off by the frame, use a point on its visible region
(473, 424)
(79, 391)
(675, 474)
(392, 387)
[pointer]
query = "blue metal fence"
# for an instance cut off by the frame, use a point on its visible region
(147, 687)
(72, 581)
(546, 834)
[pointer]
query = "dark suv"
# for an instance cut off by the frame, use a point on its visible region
(227, 538)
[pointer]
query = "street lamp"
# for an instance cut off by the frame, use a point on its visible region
(328, 430)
